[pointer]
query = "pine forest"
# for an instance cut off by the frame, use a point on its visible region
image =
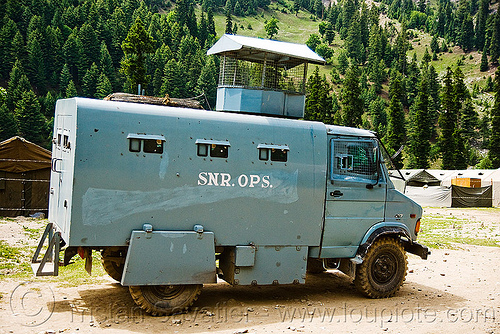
(419, 73)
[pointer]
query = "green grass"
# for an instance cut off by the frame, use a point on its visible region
(15, 261)
(449, 232)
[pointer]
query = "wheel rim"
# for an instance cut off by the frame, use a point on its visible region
(384, 268)
(167, 292)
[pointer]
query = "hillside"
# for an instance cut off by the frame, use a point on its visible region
(51, 50)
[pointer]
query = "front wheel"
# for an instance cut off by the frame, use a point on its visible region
(383, 270)
(165, 299)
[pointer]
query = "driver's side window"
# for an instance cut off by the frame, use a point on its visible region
(354, 160)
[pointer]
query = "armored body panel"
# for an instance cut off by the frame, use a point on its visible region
(248, 179)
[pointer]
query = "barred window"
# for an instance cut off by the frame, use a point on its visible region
(354, 160)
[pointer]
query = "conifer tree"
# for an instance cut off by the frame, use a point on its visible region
(89, 81)
(71, 90)
(351, 101)
(8, 31)
(466, 36)
(106, 63)
(494, 47)
(173, 80)
(448, 122)
(229, 23)
(395, 136)
(435, 44)
(104, 87)
(30, 121)
(64, 78)
(18, 83)
(484, 61)
(481, 19)
(91, 46)
(72, 49)
(319, 101)
(136, 46)
(353, 43)
(421, 131)
(207, 83)
(494, 144)
(8, 127)
(210, 22)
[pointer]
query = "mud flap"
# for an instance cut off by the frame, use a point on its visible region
(170, 258)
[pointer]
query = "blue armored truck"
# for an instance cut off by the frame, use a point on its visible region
(174, 197)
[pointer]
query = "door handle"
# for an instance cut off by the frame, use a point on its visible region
(337, 193)
(53, 165)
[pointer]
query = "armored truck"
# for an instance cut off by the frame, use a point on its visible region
(174, 198)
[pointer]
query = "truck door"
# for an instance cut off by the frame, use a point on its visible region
(61, 175)
(356, 192)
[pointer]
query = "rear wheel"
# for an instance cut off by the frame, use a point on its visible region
(383, 270)
(113, 261)
(165, 299)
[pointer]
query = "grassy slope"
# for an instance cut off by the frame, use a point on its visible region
(297, 29)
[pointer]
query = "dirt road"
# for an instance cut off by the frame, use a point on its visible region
(456, 290)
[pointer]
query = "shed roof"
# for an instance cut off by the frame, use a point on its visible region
(257, 49)
(17, 155)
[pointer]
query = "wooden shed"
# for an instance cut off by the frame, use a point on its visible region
(24, 178)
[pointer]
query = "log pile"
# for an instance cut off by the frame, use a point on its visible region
(162, 101)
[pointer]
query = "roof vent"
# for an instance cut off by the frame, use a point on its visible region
(261, 76)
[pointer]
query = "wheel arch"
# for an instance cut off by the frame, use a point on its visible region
(394, 229)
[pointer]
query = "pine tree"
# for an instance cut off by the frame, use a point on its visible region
(207, 83)
(448, 122)
(435, 100)
(469, 121)
(421, 127)
(401, 48)
(64, 78)
(229, 23)
(18, 84)
(30, 121)
(104, 87)
(174, 80)
(90, 51)
(494, 145)
(210, 22)
(494, 47)
(8, 31)
(351, 101)
(481, 19)
(319, 101)
(395, 136)
(89, 81)
(484, 61)
(72, 49)
(36, 66)
(8, 127)
(435, 44)
(106, 64)
(466, 37)
(71, 90)
(354, 43)
(136, 46)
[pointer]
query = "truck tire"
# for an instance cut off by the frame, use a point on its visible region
(383, 270)
(165, 299)
(113, 262)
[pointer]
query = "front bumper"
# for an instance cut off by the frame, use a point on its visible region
(417, 249)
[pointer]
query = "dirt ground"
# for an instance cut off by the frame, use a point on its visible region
(456, 290)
